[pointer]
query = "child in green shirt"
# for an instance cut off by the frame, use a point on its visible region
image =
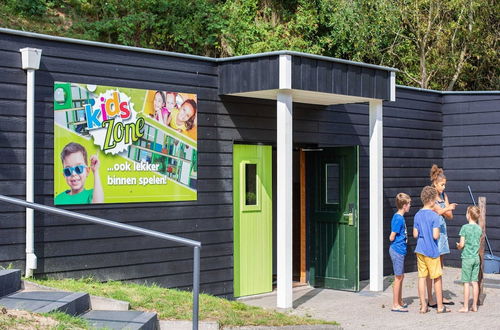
(75, 172)
(470, 236)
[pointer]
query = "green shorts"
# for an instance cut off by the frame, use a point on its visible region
(470, 270)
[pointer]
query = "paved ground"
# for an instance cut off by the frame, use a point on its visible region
(368, 310)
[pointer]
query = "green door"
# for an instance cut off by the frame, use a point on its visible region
(252, 199)
(332, 195)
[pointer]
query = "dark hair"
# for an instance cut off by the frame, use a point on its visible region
(402, 199)
(474, 212)
(428, 194)
(72, 148)
(162, 96)
(190, 122)
(436, 173)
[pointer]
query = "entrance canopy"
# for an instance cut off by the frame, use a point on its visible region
(313, 79)
(289, 77)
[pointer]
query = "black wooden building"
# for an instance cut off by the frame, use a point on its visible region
(332, 100)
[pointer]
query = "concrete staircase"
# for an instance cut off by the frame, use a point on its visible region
(99, 312)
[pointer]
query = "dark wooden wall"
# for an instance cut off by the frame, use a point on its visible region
(310, 74)
(73, 248)
(471, 151)
(325, 76)
(413, 141)
(253, 74)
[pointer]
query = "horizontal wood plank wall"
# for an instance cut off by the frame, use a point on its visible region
(68, 248)
(412, 143)
(471, 146)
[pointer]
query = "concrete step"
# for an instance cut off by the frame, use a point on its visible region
(73, 303)
(10, 281)
(130, 320)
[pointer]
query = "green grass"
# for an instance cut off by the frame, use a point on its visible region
(67, 321)
(174, 304)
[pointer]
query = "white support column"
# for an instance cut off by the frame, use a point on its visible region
(284, 184)
(376, 196)
(30, 62)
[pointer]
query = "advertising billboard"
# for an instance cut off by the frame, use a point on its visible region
(123, 145)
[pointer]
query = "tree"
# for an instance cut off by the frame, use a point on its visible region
(445, 36)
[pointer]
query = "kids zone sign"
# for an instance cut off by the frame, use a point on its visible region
(121, 145)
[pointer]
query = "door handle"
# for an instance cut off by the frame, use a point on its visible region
(350, 217)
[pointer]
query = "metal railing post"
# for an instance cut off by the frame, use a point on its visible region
(195, 244)
(196, 285)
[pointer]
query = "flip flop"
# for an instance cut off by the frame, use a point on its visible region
(399, 310)
(404, 305)
(444, 310)
(432, 306)
(450, 303)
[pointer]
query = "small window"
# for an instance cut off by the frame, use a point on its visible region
(250, 184)
(332, 184)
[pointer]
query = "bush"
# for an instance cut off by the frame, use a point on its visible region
(27, 8)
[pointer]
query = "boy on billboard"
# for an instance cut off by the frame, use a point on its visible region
(75, 171)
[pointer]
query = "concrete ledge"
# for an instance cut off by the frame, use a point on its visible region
(130, 320)
(102, 303)
(31, 286)
(187, 325)
(96, 302)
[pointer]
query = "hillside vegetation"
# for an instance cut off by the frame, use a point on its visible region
(437, 44)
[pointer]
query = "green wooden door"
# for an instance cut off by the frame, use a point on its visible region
(332, 196)
(252, 200)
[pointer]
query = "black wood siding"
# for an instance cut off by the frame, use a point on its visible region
(339, 78)
(246, 75)
(69, 248)
(412, 143)
(471, 146)
(309, 74)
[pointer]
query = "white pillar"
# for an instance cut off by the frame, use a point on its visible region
(376, 196)
(30, 62)
(284, 182)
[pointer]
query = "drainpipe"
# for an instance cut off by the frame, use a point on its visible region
(30, 63)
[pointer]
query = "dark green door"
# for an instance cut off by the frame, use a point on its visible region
(332, 195)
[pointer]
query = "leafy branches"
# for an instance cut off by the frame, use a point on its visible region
(438, 44)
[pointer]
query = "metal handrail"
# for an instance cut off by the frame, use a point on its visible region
(195, 244)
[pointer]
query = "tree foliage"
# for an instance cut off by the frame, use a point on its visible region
(439, 44)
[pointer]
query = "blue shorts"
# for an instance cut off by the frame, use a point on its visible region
(398, 262)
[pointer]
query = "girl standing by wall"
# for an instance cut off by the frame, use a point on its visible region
(445, 209)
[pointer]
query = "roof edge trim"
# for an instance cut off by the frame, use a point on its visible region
(188, 56)
(446, 92)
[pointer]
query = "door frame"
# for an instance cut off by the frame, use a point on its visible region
(305, 221)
